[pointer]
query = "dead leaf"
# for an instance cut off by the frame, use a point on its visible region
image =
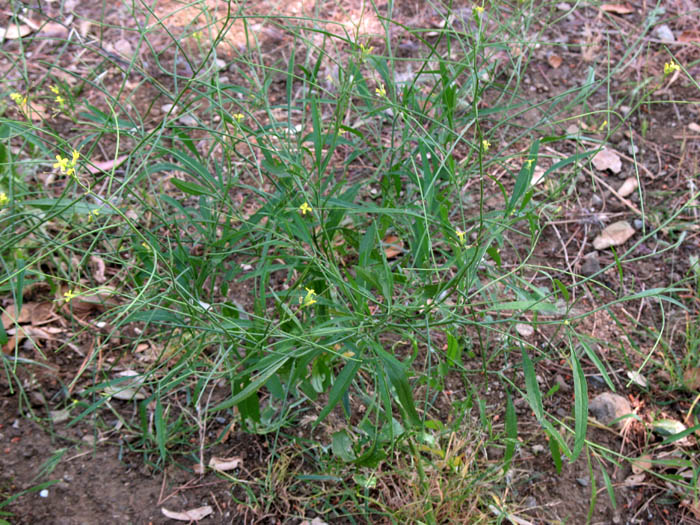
(10, 317)
(107, 165)
(691, 378)
(14, 31)
(695, 128)
(628, 186)
(618, 9)
(641, 464)
(393, 246)
(607, 159)
(537, 175)
(637, 378)
(99, 269)
(554, 60)
(315, 521)
(614, 235)
(525, 330)
(54, 30)
(129, 389)
(634, 480)
(224, 464)
(188, 515)
(690, 35)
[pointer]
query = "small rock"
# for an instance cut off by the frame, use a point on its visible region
(530, 501)
(525, 330)
(608, 407)
(572, 129)
(632, 149)
(494, 452)
(44, 494)
(220, 64)
(617, 137)
(563, 385)
(664, 33)
(124, 48)
(638, 224)
(591, 265)
(607, 159)
(583, 481)
(596, 201)
(537, 449)
(614, 235)
(628, 186)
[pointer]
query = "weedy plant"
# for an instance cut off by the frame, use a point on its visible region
(335, 237)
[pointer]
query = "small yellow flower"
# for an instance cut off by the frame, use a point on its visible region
(479, 9)
(3, 198)
(670, 67)
(54, 90)
(304, 208)
(20, 100)
(486, 145)
(602, 126)
(146, 246)
(75, 157)
(365, 51)
(197, 35)
(529, 162)
(93, 215)
(380, 91)
(238, 117)
(69, 295)
(60, 101)
(61, 163)
(461, 235)
(308, 300)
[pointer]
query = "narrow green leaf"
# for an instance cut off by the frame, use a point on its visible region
(339, 388)
(511, 432)
(534, 396)
(397, 376)
(189, 187)
(161, 429)
(253, 386)
(580, 406)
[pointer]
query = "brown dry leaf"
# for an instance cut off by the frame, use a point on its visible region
(106, 165)
(614, 235)
(641, 464)
(695, 128)
(690, 35)
(54, 30)
(634, 480)
(393, 246)
(10, 317)
(618, 9)
(691, 378)
(99, 268)
(224, 464)
(14, 31)
(607, 159)
(188, 515)
(555, 61)
(628, 186)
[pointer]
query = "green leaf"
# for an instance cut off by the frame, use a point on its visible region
(580, 406)
(556, 453)
(522, 182)
(511, 432)
(534, 396)
(161, 429)
(340, 387)
(189, 187)
(253, 386)
(397, 376)
(342, 446)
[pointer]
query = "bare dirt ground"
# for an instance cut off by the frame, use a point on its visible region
(95, 477)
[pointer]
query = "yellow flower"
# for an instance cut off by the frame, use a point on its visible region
(54, 90)
(60, 100)
(3, 198)
(308, 300)
(461, 235)
(61, 163)
(92, 215)
(529, 162)
(304, 208)
(238, 117)
(380, 91)
(70, 294)
(479, 10)
(670, 67)
(20, 100)
(74, 160)
(486, 144)
(365, 51)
